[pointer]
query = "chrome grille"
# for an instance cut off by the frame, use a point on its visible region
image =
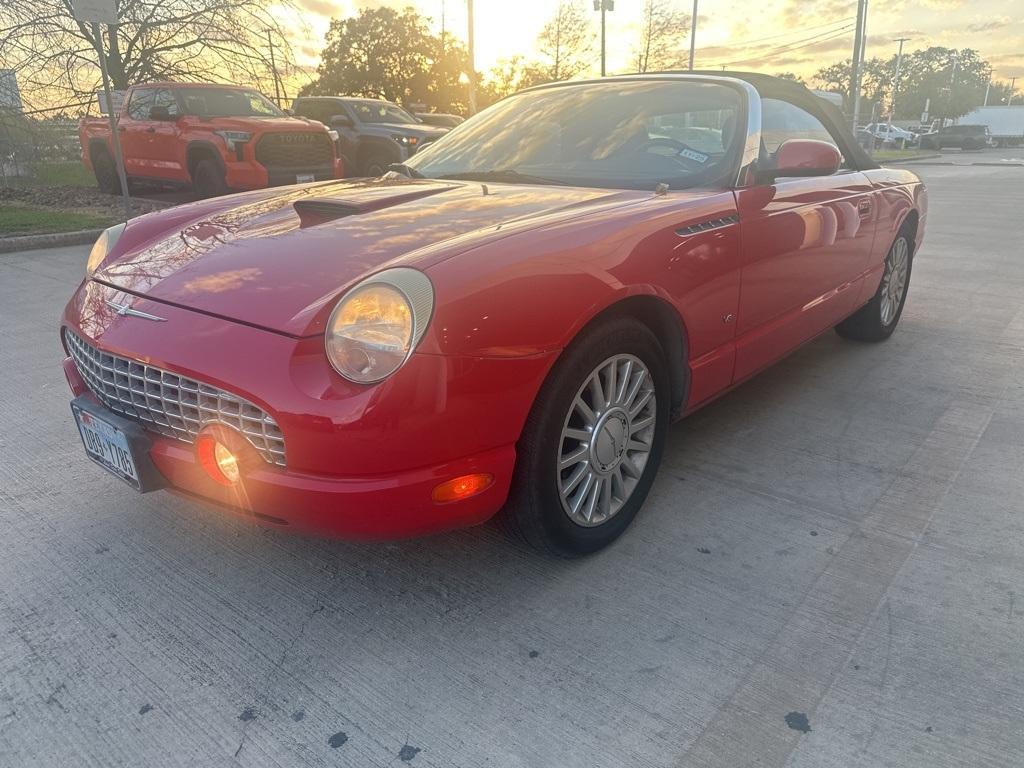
(169, 404)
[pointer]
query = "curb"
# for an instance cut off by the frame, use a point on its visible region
(53, 240)
(909, 160)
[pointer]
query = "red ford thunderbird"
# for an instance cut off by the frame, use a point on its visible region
(506, 324)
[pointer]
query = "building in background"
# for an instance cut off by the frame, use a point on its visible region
(10, 96)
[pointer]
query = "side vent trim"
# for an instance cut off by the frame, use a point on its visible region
(705, 226)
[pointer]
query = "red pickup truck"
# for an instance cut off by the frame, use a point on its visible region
(214, 138)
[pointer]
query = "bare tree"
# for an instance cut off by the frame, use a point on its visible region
(663, 28)
(55, 57)
(565, 43)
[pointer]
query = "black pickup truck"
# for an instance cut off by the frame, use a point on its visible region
(372, 133)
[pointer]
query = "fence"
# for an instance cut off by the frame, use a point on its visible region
(28, 143)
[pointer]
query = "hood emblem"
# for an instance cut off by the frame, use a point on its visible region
(126, 311)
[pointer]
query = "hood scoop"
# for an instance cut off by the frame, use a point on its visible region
(313, 211)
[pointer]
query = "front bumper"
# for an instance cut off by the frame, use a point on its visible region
(249, 174)
(362, 462)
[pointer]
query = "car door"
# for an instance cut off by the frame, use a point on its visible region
(133, 129)
(162, 146)
(805, 244)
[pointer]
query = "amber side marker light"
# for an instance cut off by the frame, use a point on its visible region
(459, 488)
(218, 460)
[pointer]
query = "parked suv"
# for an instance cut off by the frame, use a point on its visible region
(214, 138)
(962, 136)
(372, 133)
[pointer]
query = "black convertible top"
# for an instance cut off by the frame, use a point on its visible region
(797, 93)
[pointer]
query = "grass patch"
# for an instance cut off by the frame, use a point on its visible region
(32, 220)
(65, 173)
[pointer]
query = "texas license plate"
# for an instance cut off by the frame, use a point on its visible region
(108, 446)
(304, 178)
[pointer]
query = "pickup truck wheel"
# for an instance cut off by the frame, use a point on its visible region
(376, 165)
(106, 173)
(208, 179)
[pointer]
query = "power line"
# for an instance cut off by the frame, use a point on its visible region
(795, 46)
(802, 30)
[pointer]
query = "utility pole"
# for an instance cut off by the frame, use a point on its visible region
(896, 83)
(988, 86)
(1013, 88)
(603, 6)
(857, 60)
(472, 58)
(115, 136)
(442, 28)
(273, 69)
(693, 33)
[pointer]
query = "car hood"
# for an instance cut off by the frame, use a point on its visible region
(279, 260)
(263, 124)
(419, 130)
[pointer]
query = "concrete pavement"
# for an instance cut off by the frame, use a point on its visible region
(829, 573)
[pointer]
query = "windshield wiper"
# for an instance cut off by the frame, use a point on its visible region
(405, 170)
(501, 174)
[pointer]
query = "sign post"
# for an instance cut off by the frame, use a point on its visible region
(98, 12)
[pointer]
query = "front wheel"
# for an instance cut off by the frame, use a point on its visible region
(877, 319)
(593, 441)
(208, 179)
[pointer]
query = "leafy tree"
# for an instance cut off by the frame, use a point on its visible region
(564, 44)
(662, 29)
(381, 53)
(55, 57)
(953, 81)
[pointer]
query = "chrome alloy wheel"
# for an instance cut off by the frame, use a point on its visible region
(606, 440)
(894, 281)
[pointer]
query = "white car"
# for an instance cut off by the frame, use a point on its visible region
(885, 132)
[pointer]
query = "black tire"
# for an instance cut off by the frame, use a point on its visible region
(375, 165)
(208, 179)
(534, 512)
(105, 170)
(867, 323)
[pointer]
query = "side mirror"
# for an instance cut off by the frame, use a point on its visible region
(803, 157)
(160, 113)
(342, 120)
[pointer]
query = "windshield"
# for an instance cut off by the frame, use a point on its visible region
(626, 134)
(228, 102)
(371, 111)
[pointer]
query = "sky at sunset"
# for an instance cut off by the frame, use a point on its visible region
(767, 35)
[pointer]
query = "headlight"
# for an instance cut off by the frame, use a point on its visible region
(333, 134)
(102, 247)
(234, 138)
(376, 325)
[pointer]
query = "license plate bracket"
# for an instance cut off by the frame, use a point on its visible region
(118, 445)
(304, 178)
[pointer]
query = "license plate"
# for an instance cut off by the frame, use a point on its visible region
(304, 178)
(108, 446)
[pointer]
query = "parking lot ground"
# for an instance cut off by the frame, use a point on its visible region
(829, 573)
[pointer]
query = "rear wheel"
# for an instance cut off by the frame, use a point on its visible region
(208, 179)
(105, 170)
(592, 444)
(877, 319)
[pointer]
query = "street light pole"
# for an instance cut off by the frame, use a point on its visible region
(857, 59)
(1013, 88)
(693, 33)
(603, 6)
(472, 58)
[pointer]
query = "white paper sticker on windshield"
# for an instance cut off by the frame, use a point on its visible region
(693, 154)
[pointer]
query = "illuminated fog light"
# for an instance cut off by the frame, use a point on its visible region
(219, 461)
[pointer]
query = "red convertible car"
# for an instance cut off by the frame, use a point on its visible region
(506, 324)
